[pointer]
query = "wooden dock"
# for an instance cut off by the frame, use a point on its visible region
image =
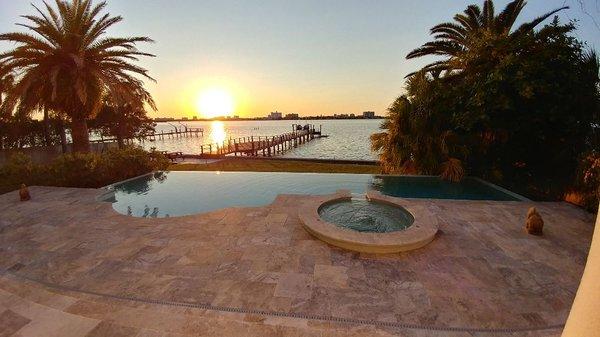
(176, 133)
(266, 146)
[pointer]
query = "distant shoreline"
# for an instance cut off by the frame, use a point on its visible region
(166, 120)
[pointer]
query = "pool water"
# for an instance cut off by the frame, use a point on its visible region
(164, 194)
(366, 216)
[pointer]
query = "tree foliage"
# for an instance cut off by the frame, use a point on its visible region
(6, 83)
(65, 63)
(21, 131)
(521, 111)
(416, 138)
(476, 30)
(124, 116)
(123, 122)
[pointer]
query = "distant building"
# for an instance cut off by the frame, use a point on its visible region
(275, 115)
(195, 118)
(184, 119)
(292, 116)
(164, 119)
(369, 114)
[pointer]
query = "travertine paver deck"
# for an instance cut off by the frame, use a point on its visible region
(481, 272)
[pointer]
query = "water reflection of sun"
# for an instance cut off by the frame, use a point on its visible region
(217, 132)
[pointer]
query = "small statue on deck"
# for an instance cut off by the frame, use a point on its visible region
(24, 193)
(534, 224)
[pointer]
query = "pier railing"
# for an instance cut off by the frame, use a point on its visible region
(258, 145)
(253, 145)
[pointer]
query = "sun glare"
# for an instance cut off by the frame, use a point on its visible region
(215, 103)
(217, 132)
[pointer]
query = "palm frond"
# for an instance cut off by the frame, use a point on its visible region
(26, 39)
(448, 28)
(526, 27)
(474, 14)
(506, 19)
(436, 48)
(452, 170)
(488, 13)
(438, 66)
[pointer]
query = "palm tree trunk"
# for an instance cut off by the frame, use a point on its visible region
(120, 141)
(46, 127)
(80, 135)
(120, 138)
(63, 136)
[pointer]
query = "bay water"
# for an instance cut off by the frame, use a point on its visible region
(347, 139)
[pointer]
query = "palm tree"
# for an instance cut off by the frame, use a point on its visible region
(474, 28)
(394, 144)
(66, 64)
(415, 138)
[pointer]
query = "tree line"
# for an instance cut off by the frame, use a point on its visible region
(515, 105)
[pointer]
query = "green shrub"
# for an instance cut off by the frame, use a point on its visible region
(76, 170)
(19, 166)
(89, 170)
(18, 170)
(131, 162)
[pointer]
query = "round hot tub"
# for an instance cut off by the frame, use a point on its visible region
(364, 215)
(378, 224)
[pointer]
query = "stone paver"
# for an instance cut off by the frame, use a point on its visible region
(11, 322)
(294, 285)
(480, 272)
(331, 276)
(106, 328)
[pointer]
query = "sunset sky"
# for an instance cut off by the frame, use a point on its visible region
(310, 57)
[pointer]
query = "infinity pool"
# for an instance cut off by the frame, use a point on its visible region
(165, 194)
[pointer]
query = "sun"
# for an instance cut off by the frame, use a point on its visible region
(215, 102)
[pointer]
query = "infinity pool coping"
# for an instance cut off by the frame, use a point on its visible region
(420, 233)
